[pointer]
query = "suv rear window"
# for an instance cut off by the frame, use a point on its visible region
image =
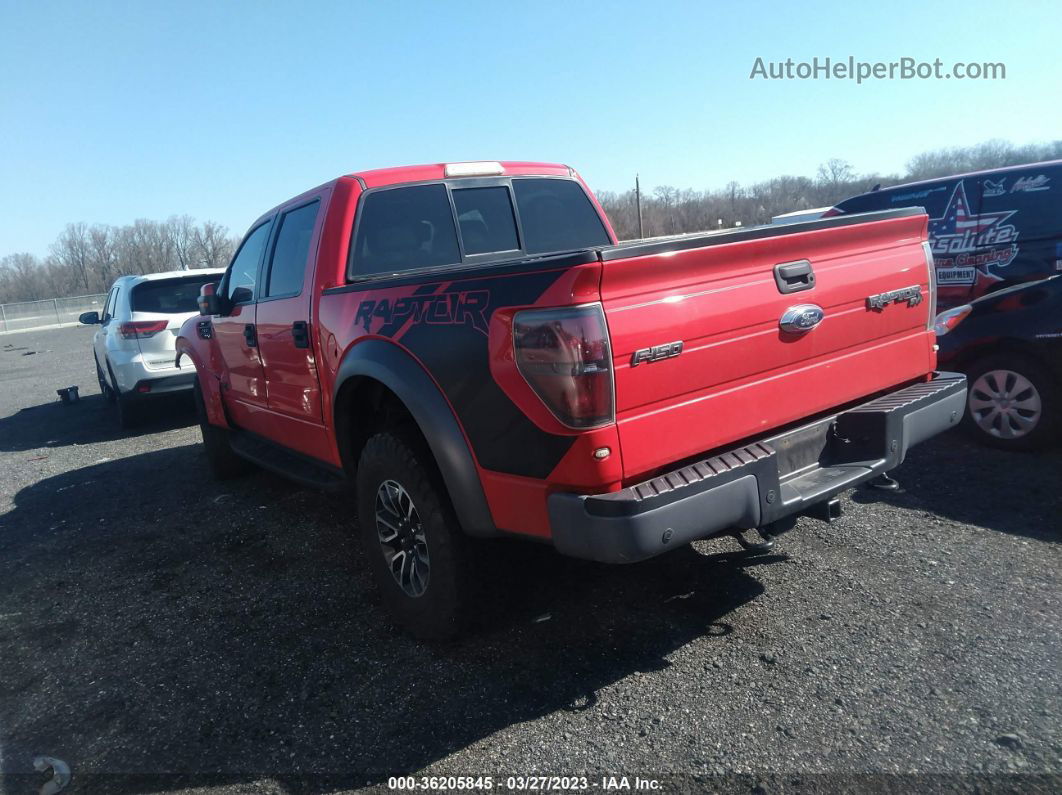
(169, 296)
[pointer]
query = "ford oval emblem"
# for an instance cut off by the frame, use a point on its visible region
(801, 318)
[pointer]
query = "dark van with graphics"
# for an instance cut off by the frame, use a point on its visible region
(988, 230)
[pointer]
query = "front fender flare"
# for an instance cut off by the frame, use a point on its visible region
(398, 371)
(208, 382)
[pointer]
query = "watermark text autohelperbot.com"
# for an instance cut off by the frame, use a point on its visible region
(862, 71)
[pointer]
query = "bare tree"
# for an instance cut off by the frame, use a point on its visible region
(71, 249)
(214, 246)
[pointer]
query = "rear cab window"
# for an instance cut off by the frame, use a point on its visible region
(471, 221)
(169, 296)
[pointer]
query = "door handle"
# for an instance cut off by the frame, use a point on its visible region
(250, 335)
(300, 334)
(792, 277)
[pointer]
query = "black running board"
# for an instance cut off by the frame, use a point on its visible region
(303, 469)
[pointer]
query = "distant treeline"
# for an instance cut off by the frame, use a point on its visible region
(86, 259)
(668, 211)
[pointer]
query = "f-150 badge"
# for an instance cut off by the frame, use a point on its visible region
(656, 353)
(912, 295)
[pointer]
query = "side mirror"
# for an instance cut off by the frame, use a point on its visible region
(89, 318)
(209, 301)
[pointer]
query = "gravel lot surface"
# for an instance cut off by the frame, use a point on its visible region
(161, 632)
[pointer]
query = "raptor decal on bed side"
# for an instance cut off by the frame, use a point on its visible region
(502, 436)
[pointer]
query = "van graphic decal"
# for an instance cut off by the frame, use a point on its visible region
(996, 188)
(1030, 184)
(966, 246)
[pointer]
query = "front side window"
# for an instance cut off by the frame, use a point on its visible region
(402, 229)
(243, 273)
(556, 215)
(291, 251)
(485, 216)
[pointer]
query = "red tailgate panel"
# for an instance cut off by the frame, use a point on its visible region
(738, 373)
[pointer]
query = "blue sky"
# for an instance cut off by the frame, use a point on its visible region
(114, 111)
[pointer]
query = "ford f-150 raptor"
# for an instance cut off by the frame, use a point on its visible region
(469, 347)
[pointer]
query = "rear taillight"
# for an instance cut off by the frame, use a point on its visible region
(948, 320)
(927, 250)
(142, 329)
(564, 355)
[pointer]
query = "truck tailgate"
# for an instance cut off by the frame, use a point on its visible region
(738, 373)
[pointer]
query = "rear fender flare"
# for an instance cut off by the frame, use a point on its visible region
(397, 370)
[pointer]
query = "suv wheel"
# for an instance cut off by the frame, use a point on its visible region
(224, 463)
(128, 410)
(1012, 403)
(105, 386)
(414, 546)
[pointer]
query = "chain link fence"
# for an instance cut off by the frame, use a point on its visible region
(49, 313)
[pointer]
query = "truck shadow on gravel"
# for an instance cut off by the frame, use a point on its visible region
(955, 478)
(228, 633)
(92, 419)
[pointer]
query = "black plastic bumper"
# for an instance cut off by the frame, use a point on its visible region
(165, 385)
(759, 483)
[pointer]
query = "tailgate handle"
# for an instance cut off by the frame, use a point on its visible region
(792, 277)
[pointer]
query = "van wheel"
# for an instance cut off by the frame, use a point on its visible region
(414, 545)
(224, 463)
(1013, 403)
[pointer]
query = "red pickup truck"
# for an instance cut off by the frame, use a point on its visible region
(469, 350)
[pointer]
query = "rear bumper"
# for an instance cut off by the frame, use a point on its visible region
(148, 387)
(760, 483)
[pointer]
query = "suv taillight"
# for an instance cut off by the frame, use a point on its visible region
(142, 329)
(565, 357)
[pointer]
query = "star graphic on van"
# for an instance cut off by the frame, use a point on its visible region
(958, 229)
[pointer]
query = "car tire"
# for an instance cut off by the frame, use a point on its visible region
(224, 463)
(130, 413)
(414, 546)
(105, 387)
(1013, 403)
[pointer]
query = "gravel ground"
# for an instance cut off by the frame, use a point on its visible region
(160, 632)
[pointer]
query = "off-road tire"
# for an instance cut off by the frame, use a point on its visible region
(441, 611)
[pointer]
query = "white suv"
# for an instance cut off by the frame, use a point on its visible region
(134, 345)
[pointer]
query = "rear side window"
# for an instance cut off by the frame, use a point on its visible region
(403, 229)
(291, 251)
(485, 216)
(556, 215)
(168, 296)
(243, 272)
